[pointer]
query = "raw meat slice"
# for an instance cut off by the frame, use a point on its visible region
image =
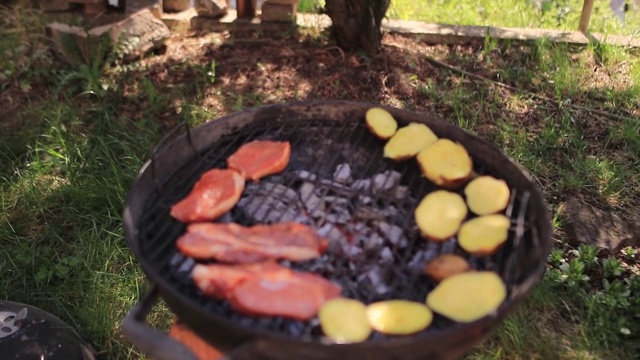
(260, 158)
(266, 289)
(233, 243)
(216, 192)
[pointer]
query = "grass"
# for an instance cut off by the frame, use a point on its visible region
(73, 138)
(550, 14)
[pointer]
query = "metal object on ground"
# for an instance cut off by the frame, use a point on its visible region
(337, 181)
(29, 333)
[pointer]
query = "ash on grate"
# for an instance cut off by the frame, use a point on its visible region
(361, 218)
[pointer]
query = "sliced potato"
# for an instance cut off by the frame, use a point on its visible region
(468, 296)
(408, 141)
(440, 214)
(381, 123)
(484, 235)
(487, 195)
(446, 265)
(399, 317)
(344, 320)
(446, 163)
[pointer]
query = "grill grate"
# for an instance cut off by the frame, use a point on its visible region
(318, 146)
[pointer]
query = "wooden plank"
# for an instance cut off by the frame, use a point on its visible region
(585, 15)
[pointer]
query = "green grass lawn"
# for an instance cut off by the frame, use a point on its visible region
(73, 138)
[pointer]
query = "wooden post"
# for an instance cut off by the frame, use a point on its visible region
(585, 16)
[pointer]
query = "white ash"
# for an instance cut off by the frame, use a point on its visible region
(394, 233)
(374, 278)
(385, 181)
(386, 256)
(312, 202)
(304, 175)
(361, 185)
(342, 174)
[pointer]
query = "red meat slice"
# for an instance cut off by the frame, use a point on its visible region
(260, 158)
(266, 289)
(215, 193)
(233, 243)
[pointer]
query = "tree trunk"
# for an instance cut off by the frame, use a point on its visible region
(356, 23)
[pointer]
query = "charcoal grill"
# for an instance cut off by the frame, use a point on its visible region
(323, 135)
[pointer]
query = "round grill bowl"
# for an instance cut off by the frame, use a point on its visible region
(323, 134)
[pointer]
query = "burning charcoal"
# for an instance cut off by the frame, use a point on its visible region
(365, 200)
(342, 174)
(331, 233)
(276, 191)
(401, 192)
(391, 211)
(314, 205)
(385, 181)
(386, 255)
(393, 233)
(418, 262)
(337, 200)
(375, 279)
(365, 213)
(339, 216)
(372, 242)
(449, 246)
(361, 185)
(304, 175)
(352, 251)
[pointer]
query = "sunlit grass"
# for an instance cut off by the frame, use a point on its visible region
(562, 15)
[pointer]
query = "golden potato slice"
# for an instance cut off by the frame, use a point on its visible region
(446, 265)
(399, 317)
(344, 320)
(408, 141)
(381, 122)
(468, 296)
(487, 195)
(484, 235)
(445, 163)
(440, 214)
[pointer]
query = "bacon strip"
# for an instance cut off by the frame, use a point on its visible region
(233, 243)
(266, 289)
(259, 158)
(216, 192)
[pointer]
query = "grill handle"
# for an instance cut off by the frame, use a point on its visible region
(152, 342)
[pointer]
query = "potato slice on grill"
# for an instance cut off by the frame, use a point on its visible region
(381, 122)
(408, 141)
(399, 317)
(484, 235)
(468, 296)
(487, 195)
(446, 265)
(344, 320)
(446, 163)
(440, 214)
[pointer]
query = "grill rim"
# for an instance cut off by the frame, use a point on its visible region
(231, 334)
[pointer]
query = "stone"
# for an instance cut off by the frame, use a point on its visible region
(278, 12)
(586, 224)
(211, 8)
